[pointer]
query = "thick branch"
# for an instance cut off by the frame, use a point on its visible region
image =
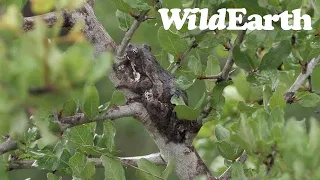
(289, 96)
(126, 161)
(7, 146)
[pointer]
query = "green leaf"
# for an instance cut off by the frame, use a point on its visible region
(195, 65)
(153, 170)
(48, 161)
(64, 158)
(308, 99)
(177, 100)
(186, 113)
(213, 68)
(118, 98)
(171, 42)
(242, 85)
(184, 83)
(276, 55)
(101, 66)
(19, 3)
(315, 81)
(112, 168)
(243, 60)
(122, 5)
(51, 176)
(260, 125)
(124, 19)
(81, 135)
(277, 99)
(267, 93)
(69, 108)
(244, 135)
(169, 169)
(229, 150)
(218, 100)
(81, 168)
(292, 4)
(91, 102)
(222, 134)
(237, 172)
(252, 7)
(107, 138)
(41, 6)
(3, 171)
(314, 135)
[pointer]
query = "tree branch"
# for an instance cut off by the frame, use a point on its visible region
(128, 36)
(289, 95)
(224, 75)
(126, 161)
(79, 118)
(227, 174)
(7, 146)
(93, 30)
(113, 113)
(50, 19)
(184, 55)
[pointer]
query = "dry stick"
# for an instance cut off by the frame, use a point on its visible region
(289, 95)
(126, 161)
(227, 174)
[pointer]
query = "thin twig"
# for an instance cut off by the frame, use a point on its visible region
(228, 66)
(227, 174)
(289, 95)
(209, 77)
(129, 34)
(184, 55)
